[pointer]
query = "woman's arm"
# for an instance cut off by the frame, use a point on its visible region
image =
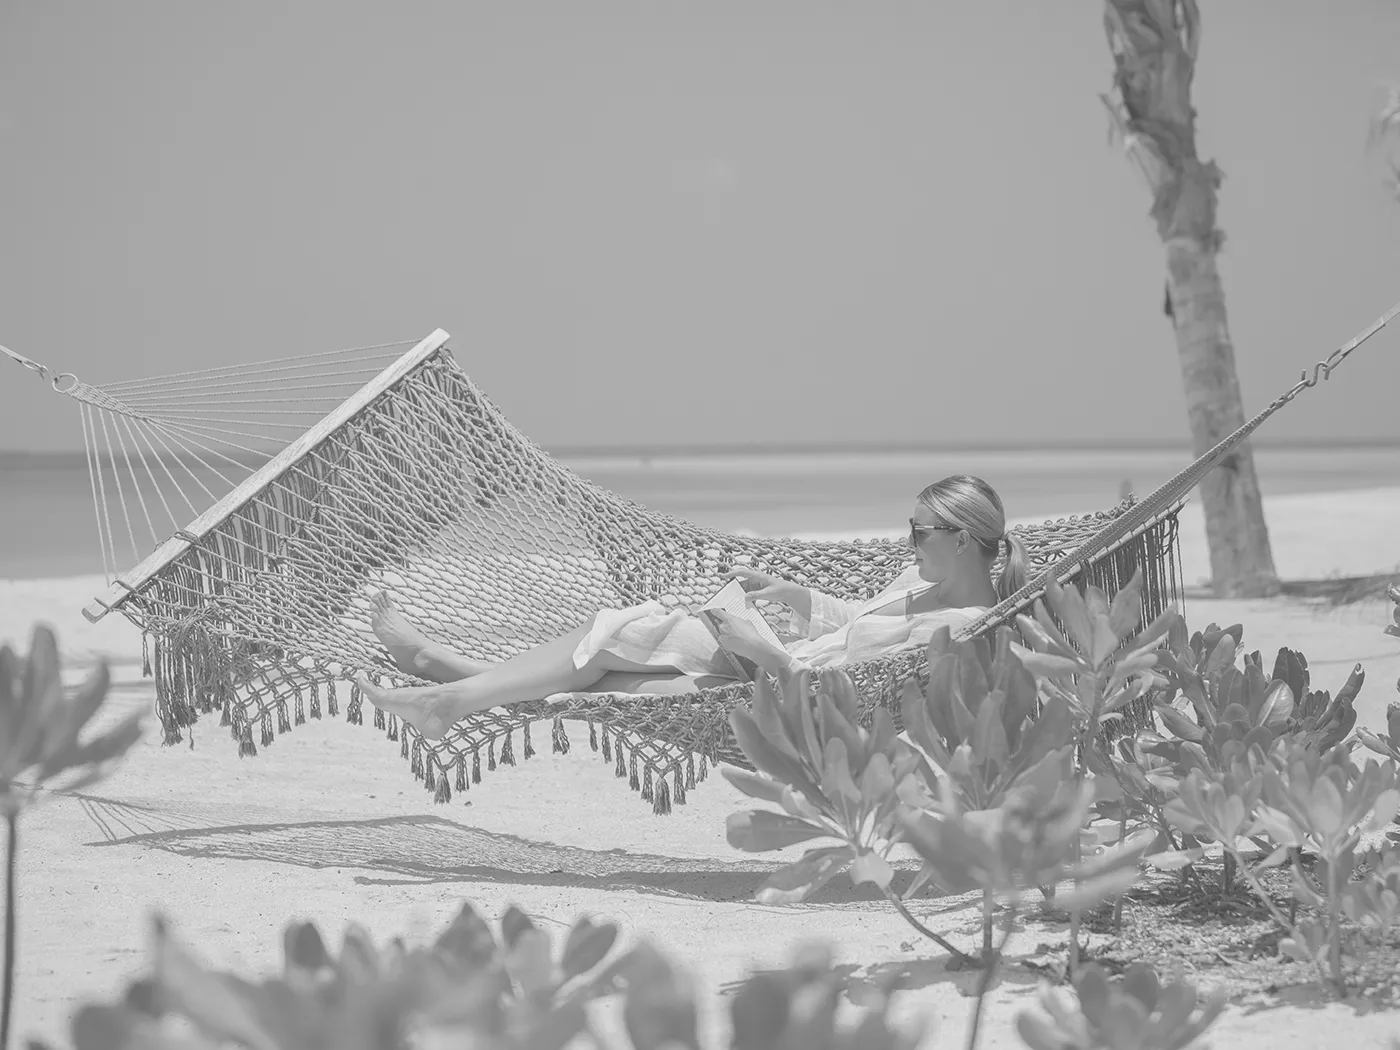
(738, 636)
(825, 614)
(813, 613)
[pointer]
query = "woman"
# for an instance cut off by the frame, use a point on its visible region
(957, 530)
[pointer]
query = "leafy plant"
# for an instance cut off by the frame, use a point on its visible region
(1324, 803)
(1236, 709)
(1299, 799)
(515, 991)
(796, 1008)
(1134, 1012)
(1373, 900)
(1097, 666)
(1031, 839)
(471, 988)
(1388, 745)
(978, 719)
(40, 746)
(833, 778)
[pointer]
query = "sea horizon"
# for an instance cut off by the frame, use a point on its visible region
(48, 528)
(15, 457)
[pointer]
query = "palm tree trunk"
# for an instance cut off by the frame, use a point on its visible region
(1154, 44)
(1241, 558)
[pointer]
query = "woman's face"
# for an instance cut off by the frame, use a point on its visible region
(935, 544)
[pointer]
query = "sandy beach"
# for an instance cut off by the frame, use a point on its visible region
(329, 825)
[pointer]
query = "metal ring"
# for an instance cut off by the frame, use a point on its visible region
(60, 378)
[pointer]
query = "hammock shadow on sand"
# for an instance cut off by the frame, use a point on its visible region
(414, 849)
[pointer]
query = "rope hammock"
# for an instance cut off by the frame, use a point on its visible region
(257, 607)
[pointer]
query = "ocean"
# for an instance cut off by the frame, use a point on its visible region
(48, 527)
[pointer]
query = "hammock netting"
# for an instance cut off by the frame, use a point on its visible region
(258, 611)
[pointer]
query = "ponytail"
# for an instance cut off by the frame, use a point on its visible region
(1015, 573)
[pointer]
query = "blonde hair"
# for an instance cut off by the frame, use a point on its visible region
(970, 504)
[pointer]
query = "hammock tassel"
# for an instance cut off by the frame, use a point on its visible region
(689, 774)
(607, 747)
(593, 737)
(558, 739)
(646, 782)
(621, 770)
(266, 729)
(246, 747)
(491, 755)
(299, 710)
(529, 747)
(461, 764)
(632, 780)
(332, 701)
(316, 699)
(416, 765)
(393, 723)
(403, 745)
(476, 765)
(145, 655)
(508, 749)
(679, 790)
(443, 794)
(662, 805)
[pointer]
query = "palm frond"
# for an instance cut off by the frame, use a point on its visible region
(1386, 123)
(1154, 45)
(1385, 129)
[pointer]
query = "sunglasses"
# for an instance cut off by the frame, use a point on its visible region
(917, 531)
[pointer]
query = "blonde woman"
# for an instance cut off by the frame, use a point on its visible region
(957, 530)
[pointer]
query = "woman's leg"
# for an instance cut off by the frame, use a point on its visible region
(413, 652)
(532, 675)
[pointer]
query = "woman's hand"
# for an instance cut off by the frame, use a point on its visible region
(738, 636)
(761, 587)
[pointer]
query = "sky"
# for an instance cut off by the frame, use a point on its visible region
(666, 223)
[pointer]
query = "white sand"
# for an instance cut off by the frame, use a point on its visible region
(84, 902)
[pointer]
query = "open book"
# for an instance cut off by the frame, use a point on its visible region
(731, 599)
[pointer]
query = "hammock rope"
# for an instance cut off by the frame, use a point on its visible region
(415, 482)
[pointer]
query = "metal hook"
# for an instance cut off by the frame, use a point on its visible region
(33, 366)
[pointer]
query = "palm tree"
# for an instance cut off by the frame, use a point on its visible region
(1154, 44)
(1385, 128)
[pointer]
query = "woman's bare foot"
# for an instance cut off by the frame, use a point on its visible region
(422, 707)
(413, 652)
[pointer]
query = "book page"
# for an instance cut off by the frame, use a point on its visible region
(732, 599)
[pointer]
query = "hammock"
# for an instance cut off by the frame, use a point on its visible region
(414, 481)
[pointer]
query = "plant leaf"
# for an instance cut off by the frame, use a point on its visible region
(1174, 860)
(767, 758)
(798, 881)
(1046, 665)
(211, 1003)
(1090, 892)
(1179, 724)
(753, 784)
(871, 867)
(586, 946)
(761, 830)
